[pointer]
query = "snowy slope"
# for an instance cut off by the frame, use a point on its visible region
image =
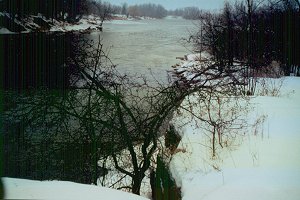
(28, 189)
(264, 166)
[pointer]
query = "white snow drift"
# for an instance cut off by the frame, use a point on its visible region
(28, 189)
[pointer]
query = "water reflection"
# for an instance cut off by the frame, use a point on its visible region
(35, 73)
(35, 60)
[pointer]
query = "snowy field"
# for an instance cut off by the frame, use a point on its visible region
(263, 163)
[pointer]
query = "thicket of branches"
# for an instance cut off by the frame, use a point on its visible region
(71, 134)
(254, 33)
(70, 10)
(63, 135)
(187, 13)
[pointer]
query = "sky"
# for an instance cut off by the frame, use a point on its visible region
(173, 4)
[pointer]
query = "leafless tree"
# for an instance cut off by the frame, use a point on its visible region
(114, 115)
(216, 103)
(147, 10)
(103, 9)
(124, 10)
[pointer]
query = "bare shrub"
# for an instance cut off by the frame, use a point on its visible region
(270, 87)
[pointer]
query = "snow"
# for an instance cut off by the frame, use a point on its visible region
(28, 189)
(263, 163)
(82, 25)
(246, 184)
(5, 31)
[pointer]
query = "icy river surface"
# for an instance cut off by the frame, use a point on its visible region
(139, 45)
(36, 60)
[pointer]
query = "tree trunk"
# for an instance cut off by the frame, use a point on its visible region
(213, 142)
(136, 183)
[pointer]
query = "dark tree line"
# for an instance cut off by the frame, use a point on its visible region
(186, 13)
(72, 10)
(69, 10)
(101, 8)
(253, 33)
(147, 10)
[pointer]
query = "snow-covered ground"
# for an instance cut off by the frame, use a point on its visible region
(261, 163)
(28, 189)
(83, 25)
(5, 31)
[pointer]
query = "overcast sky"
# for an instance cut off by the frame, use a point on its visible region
(172, 4)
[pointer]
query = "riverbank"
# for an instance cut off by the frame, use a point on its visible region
(39, 23)
(31, 23)
(261, 161)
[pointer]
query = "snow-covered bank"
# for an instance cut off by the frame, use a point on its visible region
(84, 25)
(40, 23)
(263, 164)
(28, 189)
(5, 31)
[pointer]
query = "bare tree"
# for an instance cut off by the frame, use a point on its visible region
(108, 113)
(147, 10)
(124, 10)
(113, 115)
(216, 102)
(191, 13)
(133, 11)
(220, 117)
(104, 10)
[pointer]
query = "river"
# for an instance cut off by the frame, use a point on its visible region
(137, 46)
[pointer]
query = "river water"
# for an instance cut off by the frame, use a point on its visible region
(137, 46)
(36, 59)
